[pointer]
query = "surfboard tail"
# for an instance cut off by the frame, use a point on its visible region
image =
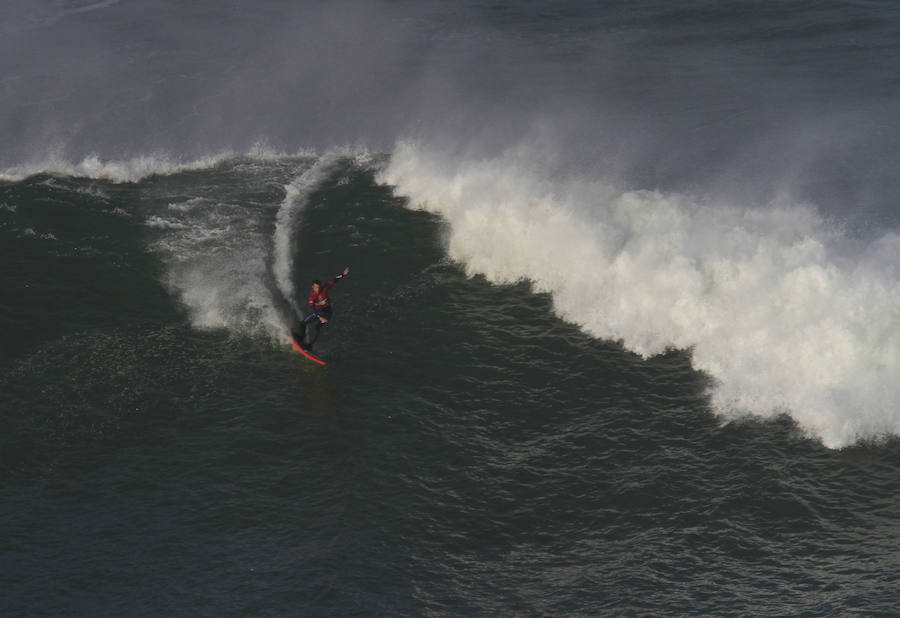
(305, 353)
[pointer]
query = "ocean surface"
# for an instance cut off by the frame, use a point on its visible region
(621, 333)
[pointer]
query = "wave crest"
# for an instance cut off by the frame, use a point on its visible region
(766, 299)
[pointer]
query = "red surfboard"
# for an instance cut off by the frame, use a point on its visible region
(305, 353)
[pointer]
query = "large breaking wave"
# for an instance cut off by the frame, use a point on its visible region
(779, 306)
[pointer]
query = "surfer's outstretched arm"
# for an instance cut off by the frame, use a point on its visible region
(340, 276)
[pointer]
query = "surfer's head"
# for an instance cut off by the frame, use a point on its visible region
(316, 284)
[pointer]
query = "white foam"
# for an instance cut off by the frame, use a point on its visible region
(31, 233)
(160, 222)
(215, 255)
(128, 170)
(759, 295)
(134, 169)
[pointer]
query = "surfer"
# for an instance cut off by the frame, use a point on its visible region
(320, 309)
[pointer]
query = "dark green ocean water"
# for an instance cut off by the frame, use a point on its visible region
(464, 452)
(620, 335)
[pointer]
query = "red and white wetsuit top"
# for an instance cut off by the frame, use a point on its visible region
(319, 300)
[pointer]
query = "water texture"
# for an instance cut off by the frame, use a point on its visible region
(620, 334)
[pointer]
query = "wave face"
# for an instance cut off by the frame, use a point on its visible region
(765, 298)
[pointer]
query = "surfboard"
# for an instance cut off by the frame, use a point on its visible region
(305, 353)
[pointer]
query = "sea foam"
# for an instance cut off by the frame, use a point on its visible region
(215, 257)
(775, 303)
(133, 169)
(125, 170)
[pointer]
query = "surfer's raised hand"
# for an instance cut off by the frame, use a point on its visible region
(347, 270)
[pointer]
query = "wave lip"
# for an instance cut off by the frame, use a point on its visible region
(133, 169)
(759, 295)
(128, 170)
(297, 194)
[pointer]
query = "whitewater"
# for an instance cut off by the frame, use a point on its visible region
(777, 304)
